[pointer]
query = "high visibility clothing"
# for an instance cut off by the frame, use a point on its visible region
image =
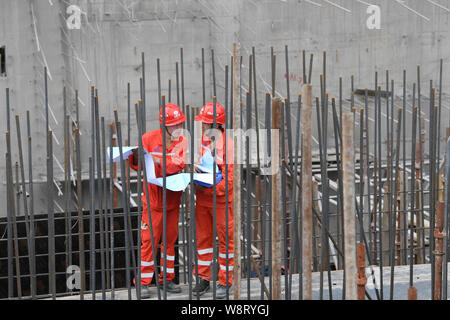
(204, 216)
(175, 162)
(206, 114)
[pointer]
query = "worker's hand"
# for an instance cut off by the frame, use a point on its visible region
(135, 156)
(197, 170)
(156, 159)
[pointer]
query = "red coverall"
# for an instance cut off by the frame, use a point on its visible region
(175, 162)
(204, 216)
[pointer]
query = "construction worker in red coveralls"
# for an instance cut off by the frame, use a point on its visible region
(204, 207)
(176, 146)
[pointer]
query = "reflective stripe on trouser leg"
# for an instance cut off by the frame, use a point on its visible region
(147, 262)
(203, 219)
(221, 232)
(172, 235)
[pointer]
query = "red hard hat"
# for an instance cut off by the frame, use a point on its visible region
(174, 115)
(207, 113)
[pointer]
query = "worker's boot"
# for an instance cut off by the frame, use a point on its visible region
(201, 287)
(221, 291)
(145, 292)
(170, 287)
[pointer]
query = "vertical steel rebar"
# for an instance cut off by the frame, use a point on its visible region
(127, 227)
(92, 262)
(81, 259)
(29, 236)
(111, 209)
(32, 225)
(51, 217)
(99, 181)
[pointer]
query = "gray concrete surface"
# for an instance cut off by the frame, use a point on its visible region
(421, 277)
(106, 51)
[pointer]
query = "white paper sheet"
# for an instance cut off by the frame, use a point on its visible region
(126, 152)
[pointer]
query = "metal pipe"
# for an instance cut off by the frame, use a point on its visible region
(307, 192)
(276, 200)
(395, 189)
(237, 206)
(295, 254)
(348, 169)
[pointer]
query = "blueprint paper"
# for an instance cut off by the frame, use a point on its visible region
(176, 182)
(126, 152)
(207, 162)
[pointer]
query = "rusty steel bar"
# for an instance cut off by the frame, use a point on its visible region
(439, 235)
(446, 213)
(361, 279)
(294, 257)
(348, 173)
(307, 191)
(276, 204)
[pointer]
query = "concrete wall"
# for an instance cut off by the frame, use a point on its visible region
(106, 52)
